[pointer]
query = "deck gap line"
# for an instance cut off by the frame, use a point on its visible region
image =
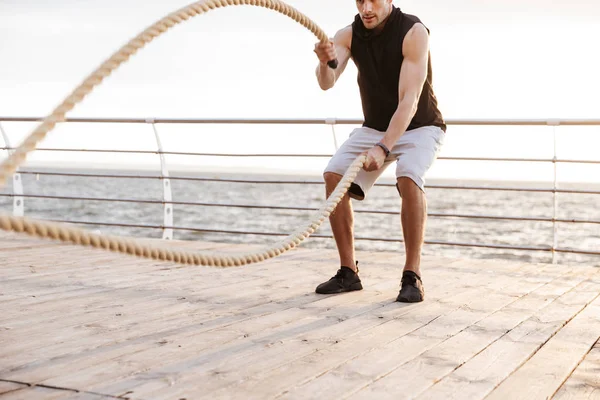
(507, 332)
(41, 385)
(587, 353)
(542, 345)
(474, 323)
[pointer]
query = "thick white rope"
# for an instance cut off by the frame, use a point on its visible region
(130, 246)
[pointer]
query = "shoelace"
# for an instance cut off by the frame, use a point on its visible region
(409, 280)
(339, 276)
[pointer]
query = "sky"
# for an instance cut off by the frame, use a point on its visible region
(497, 59)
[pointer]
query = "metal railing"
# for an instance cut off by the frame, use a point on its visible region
(167, 202)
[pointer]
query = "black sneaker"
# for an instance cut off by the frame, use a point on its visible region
(346, 280)
(412, 288)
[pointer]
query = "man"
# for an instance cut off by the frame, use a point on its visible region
(402, 123)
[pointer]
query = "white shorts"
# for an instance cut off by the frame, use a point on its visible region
(414, 153)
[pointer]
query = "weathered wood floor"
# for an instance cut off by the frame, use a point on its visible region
(79, 323)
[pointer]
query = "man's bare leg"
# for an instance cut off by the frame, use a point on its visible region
(414, 217)
(342, 222)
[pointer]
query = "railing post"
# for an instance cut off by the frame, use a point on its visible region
(554, 124)
(166, 184)
(18, 200)
(332, 122)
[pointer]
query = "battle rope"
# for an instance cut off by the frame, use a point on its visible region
(130, 246)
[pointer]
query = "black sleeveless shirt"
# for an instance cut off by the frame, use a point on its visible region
(378, 58)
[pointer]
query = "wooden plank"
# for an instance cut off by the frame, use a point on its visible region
(97, 373)
(94, 375)
(150, 284)
(266, 335)
(584, 383)
(29, 393)
(83, 396)
(76, 265)
(79, 262)
(250, 328)
(324, 299)
(229, 305)
(67, 340)
(362, 371)
(227, 362)
(12, 247)
(318, 365)
(47, 393)
(6, 386)
(52, 262)
(39, 310)
(43, 305)
(125, 279)
(48, 308)
(423, 371)
(481, 374)
(127, 271)
(60, 305)
(272, 358)
(550, 366)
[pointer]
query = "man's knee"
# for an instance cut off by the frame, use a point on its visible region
(406, 184)
(331, 180)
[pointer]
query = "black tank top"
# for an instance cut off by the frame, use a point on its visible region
(378, 58)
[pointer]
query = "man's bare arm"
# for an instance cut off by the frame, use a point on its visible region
(339, 48)
(412, 77)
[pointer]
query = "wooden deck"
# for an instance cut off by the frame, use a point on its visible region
(79, 323)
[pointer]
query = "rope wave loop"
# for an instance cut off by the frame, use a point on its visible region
(134, 247)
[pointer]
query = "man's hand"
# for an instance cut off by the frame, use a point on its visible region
(375, 159)
(325, 52)
(337, 48)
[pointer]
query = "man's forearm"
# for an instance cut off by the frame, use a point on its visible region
(325, 76)
(399, 122)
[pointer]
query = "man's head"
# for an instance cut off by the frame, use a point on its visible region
(374, 12)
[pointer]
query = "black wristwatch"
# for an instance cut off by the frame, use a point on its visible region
(384, 147)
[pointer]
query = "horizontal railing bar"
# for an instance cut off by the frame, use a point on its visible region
(89, 150)
(269, 207)
(176, 153)
(64, 221)
(432, 242)
(524, 122)
(115, 200)
(577, 251)
(508, 218)
(510, 189)
(541, 160)
(459, 244)
(74, 174)
(312, 121)
(284, 155)
(310, 182)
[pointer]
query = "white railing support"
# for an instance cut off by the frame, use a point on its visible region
(18, 200)
(166, 184)
(555, 198)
